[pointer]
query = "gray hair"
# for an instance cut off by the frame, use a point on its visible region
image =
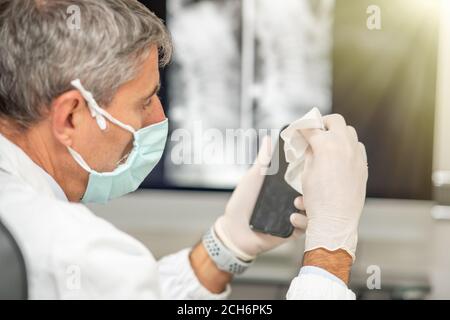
(40, 54)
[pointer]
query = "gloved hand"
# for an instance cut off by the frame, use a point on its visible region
(334, 186)
(233, 227)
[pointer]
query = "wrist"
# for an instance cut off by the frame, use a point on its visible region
(338, 262)
(332, 235)
(223, 257)
(207, 272)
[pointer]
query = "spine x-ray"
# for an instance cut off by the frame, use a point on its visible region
(238, 65)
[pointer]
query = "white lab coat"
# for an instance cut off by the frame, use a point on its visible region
(72, 254)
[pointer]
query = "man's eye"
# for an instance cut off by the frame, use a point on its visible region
(147, 103)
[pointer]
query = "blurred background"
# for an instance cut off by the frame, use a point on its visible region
(240, 64)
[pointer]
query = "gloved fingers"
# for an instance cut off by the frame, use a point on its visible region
(299, 221)
(265, 153)
(352, 134)
(308, 161)
(312, 136)
(335, 123)
(362, 148)
(297, 233)
(298, 203)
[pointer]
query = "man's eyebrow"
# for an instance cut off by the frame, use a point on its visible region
(155, 91)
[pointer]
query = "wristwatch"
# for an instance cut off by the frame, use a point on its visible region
(221, 255)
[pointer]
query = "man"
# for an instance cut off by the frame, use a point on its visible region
(80, 120)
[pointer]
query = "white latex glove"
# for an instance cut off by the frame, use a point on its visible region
(334, 186)
(233, 227)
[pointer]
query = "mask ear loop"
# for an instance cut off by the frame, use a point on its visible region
(98, 113)
(79, 159)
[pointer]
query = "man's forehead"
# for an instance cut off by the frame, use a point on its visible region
(149, 71)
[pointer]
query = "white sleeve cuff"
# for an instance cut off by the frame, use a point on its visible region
(321, 272)
(178, 280)
(314, 283)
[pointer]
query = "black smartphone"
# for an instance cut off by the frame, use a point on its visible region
(275, 201)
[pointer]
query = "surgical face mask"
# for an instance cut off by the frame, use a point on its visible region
(148, 147)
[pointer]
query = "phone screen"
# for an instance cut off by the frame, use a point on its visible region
(275, 202)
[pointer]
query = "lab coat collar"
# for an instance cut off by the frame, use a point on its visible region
(16, 162)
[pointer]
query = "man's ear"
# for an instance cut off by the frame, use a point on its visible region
(66, 110)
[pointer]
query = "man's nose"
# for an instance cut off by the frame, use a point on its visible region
(155, 113)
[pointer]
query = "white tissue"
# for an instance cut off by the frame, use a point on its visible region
(295, 146)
